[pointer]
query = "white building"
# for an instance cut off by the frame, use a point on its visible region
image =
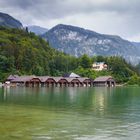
(99, 66)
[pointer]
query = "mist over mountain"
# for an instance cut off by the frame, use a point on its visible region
(8, 21)
(78, 41)
(37, 29)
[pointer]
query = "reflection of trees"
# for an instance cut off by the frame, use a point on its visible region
(4, 93)
(1, 94)
(69, 97)
(55, 97)
(99, 101)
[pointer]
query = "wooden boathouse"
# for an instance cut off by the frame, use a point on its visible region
(68, 80)
(107, 81)
(47, 81)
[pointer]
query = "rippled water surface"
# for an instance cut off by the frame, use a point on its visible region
(70, 113)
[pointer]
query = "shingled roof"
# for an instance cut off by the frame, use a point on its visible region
(82, 79)
(42, 78)
(12, 77)
(23, 78)
(103, 79)
(56, 79)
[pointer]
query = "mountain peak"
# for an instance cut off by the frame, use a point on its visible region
(78, 41)
(72, 28)
(8, 21)
(37, 29)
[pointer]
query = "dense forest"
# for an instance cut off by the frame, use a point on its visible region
(24, 53)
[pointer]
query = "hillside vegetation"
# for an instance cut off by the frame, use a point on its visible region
(25, 53)
(22, 52)
(117, 67)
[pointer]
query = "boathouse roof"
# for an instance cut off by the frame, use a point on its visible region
(82, 79)
(42, 78)
(69, 79)
(12, 77)
(24, 78)
(103, 78)
(57, 78)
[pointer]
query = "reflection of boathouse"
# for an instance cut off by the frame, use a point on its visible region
(104, 81)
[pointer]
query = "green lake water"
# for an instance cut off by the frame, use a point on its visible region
(78, 113)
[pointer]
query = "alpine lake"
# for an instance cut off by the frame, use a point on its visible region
(70, 113)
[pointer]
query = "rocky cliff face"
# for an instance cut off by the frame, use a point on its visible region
(8, 21)
(78, 41)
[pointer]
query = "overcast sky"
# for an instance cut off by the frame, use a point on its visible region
(117, 17)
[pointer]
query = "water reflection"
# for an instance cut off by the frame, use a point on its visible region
(98, 100)
(70, 113)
